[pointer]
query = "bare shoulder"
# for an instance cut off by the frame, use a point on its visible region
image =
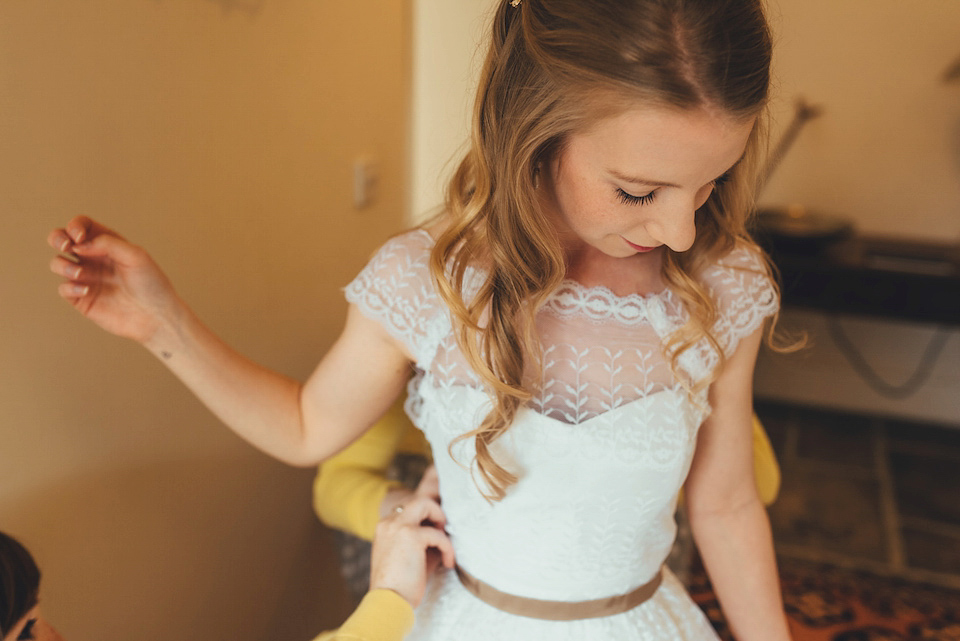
(436, 226)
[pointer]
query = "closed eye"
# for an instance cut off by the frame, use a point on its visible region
(722, 180)
(630, 199)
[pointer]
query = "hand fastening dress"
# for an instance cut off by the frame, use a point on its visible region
(601, 451)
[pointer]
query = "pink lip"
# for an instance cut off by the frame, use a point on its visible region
(639, 248)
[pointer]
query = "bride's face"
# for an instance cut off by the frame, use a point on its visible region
(632, 182)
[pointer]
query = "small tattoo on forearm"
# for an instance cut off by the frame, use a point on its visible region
(166, 355)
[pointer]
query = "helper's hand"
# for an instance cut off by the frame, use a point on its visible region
(111, 281)
(406, 552)
(428, 487)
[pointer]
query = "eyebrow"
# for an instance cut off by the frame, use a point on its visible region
(635, 180)
(639, 181)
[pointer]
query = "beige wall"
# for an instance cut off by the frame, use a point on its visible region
(886, 151)
(448, 41)
(220, 135)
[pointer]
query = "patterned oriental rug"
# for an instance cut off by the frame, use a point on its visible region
(826, 603)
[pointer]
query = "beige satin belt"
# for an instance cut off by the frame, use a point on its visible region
(558, 610)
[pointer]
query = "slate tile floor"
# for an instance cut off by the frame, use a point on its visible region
(867, 493)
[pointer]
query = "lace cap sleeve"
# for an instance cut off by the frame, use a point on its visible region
(744, 292)
(396, 289)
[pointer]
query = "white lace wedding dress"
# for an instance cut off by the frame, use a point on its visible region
(601, 452)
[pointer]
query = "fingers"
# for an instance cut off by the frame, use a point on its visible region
(60, 240)
(394, 498)
(79, 230)
(84, 244)
(98, 242)
(73, 292)
(430, 475)
(415, 513)
(63, 266)
(420, 509)
(434, 538)
(82, 229)
(395, 530)
(74, 232)
(77, 284)
(109, 246)
(429, 485)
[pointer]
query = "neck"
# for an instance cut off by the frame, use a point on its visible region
(638, 274)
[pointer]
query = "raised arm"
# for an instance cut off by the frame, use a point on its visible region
(119, 287)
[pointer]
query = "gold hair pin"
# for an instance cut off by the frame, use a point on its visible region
(515, 3)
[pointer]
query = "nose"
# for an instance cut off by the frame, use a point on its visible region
(676, 228)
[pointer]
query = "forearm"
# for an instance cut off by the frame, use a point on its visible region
(260, 405)
(737, 550)
(301, 424)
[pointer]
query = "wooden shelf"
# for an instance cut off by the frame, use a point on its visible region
(871, 276)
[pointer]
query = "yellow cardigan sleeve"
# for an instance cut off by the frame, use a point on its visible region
(350, 486)
(383, 615)
(765, 469)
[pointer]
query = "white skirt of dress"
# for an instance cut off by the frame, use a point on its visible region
(450, 613)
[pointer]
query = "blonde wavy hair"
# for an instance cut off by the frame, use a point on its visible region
(554, 67)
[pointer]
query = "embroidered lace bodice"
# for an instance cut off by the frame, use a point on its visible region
(601, 450)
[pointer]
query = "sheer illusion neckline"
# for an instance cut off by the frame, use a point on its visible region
(597, 302)
(473, 396)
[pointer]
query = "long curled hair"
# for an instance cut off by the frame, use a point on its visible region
(19, 582)
(554, 67)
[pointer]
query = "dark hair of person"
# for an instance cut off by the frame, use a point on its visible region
(19, 582)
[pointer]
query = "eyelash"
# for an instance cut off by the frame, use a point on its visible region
(721, 181)
(630, 199)
(646, 199)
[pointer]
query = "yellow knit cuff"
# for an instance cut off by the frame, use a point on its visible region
(383, 615)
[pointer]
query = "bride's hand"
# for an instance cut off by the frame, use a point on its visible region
(111, 281)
